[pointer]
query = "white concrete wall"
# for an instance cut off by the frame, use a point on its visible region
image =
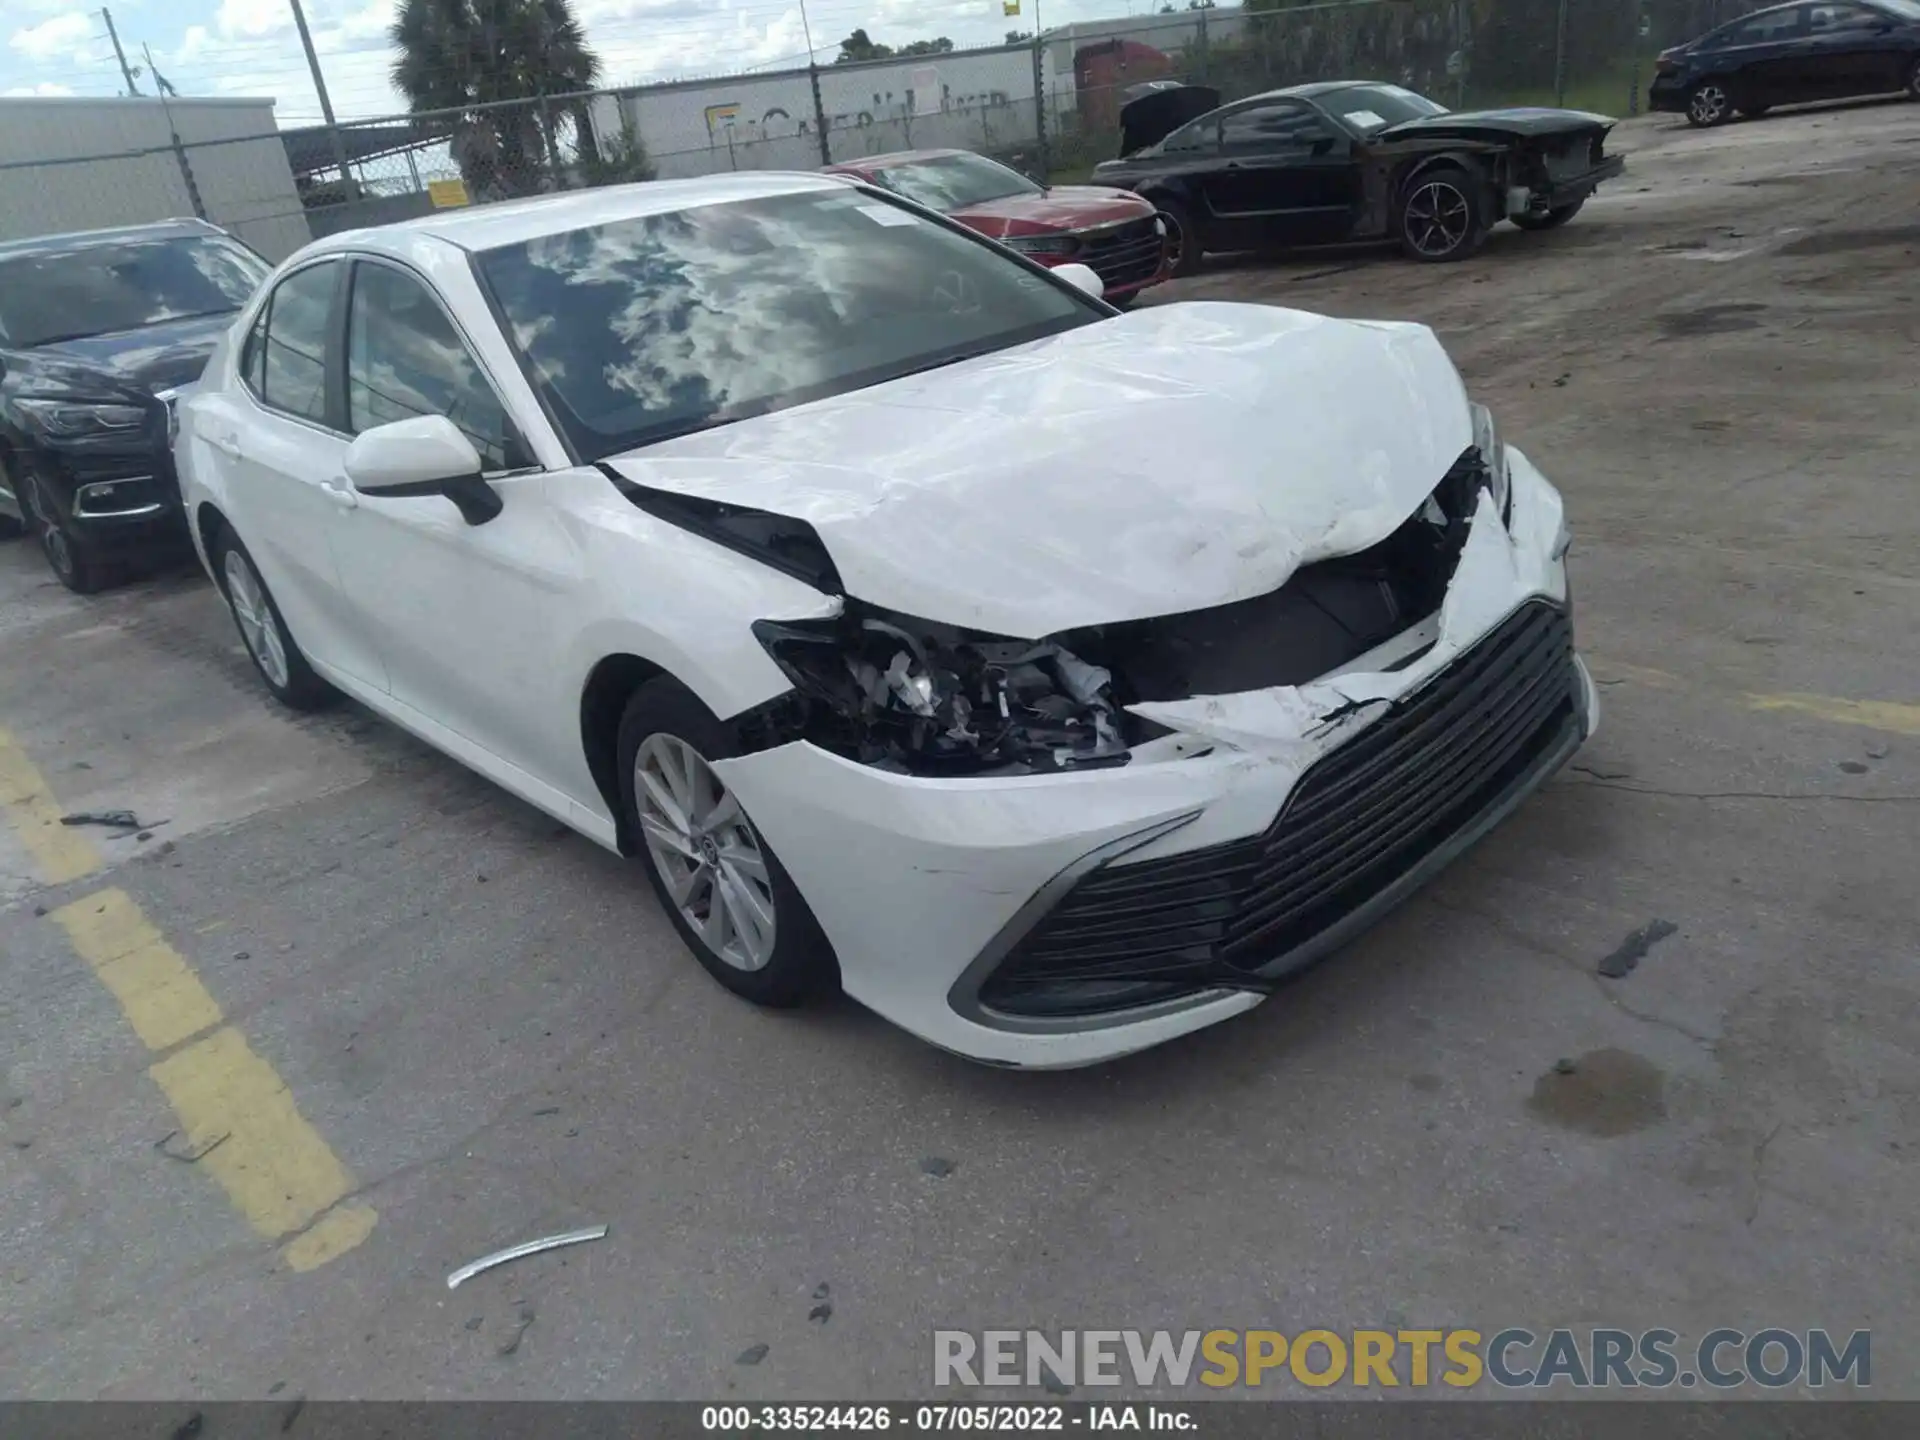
(981, 100)
(245, 185)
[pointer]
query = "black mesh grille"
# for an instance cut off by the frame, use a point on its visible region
(1125, 254)
(1362, 817)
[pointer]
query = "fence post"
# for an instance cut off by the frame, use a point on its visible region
(1639, 31)
(549, 142)
(1200, 46)
(1040, 100)
(186, 174)
(1560, 56)
(819, 110)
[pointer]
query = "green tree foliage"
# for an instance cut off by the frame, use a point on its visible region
(455, 54)
(858, 46)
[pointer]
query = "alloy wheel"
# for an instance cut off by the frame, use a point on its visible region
(1708, 105)
(248, 597)
(53, 540)
(705, 851)
(1439, 218)
(1176, 242)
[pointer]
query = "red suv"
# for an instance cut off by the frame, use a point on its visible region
(1114, 231)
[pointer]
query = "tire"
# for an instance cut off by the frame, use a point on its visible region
(1442, 215)
(270, 645)
(1708, 104)
(667, 739)
(73, 563)
(1182, 239)
(1553, 219)
(10, 528)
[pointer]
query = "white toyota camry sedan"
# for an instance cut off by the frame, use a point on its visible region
(1054, 680)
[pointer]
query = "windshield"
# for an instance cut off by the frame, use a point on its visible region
(663, 324)
(1374, 107)
(107, 286)
(953, 182)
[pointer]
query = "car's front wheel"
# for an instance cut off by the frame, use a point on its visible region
(73, 562)
(721, 885)
(1553, 219)
(269, 644)
(1709, 104)
(1441, 216)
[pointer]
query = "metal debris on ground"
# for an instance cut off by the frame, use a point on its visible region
(190, 1157)
(516, 1252)
(111, 819)
(821, 1313)
(1635, 947)
(935, 1166)
(520, 1329)
(752, 1355)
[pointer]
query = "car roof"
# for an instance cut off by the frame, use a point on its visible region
(1310, 91)
(115, 234)
(891, 158)
(514, 222)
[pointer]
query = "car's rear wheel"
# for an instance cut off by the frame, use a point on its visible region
(1183, 239)
(270, 645)
(1441, 215)
(1709, 104)
(1553, 219)
(720, 883)
(73, 562)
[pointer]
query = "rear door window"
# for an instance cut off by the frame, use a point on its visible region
(294, 367)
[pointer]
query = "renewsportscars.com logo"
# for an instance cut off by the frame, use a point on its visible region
(1510, 1359)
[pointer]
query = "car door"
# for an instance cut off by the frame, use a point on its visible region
(1286, 176)
(279, 438)
(1854, 50)
(1768, 59)
(468, 616)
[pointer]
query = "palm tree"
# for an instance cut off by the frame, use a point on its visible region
(456, 54)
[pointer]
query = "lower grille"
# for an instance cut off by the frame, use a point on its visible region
(1359, 820)
(1124, 255)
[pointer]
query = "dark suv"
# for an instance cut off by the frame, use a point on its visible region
(99, 333)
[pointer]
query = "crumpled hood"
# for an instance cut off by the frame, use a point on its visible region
(1170, 459)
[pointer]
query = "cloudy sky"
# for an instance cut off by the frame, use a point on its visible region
(250, 47)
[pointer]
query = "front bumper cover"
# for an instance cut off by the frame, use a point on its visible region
(923, 884)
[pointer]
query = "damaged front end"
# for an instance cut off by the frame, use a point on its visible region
(922, 697)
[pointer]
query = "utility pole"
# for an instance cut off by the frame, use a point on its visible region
(1559, 56)
(813, 79)
(1040, 94)
(326, 105)
(114, 35)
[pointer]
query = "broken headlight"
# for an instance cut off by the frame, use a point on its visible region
(915, 695)
(1493, 455)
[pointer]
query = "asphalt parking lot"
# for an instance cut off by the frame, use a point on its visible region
(427, 1023)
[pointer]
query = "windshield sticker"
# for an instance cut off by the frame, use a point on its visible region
(1365, 119)
(888, 215)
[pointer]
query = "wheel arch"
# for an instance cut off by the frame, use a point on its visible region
(209, 524)
(603, 700)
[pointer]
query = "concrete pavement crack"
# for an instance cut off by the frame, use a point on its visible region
(1784, 795)
(1759, 1165)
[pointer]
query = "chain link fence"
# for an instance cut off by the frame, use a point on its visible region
(1046, 105)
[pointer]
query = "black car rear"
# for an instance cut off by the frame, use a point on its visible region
(1789, 55)
(98, 334)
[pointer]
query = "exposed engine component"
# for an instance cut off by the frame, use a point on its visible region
(930, 698)
(892, 690)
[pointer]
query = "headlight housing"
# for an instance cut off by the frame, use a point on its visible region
(1041, 244)
(914, 695)
(1493, 455)
(70, 419)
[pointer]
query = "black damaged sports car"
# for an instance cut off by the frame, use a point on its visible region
(1351, 160)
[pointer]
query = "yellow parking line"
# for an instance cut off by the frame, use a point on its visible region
(1886, 715)
(1891, 716)
(59, 852)
(236, 1115)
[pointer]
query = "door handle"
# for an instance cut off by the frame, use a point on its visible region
(341, 495)
(226, 444)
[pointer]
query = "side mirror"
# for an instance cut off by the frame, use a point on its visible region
(426, 455)
(1082, 277)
